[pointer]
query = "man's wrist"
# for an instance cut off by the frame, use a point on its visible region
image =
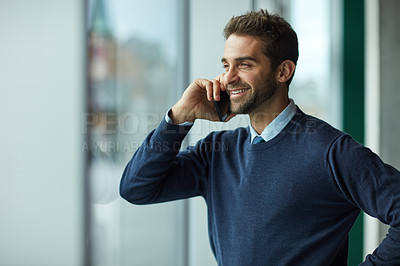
(178, 116)
(169, 120)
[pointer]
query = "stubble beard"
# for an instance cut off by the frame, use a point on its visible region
(256, 98)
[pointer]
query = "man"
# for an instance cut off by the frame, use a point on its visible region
(284, 191)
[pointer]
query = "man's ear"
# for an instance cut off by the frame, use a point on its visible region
(285, 71)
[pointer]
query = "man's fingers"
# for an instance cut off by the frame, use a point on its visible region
(220, 78)
(216, 89)
(209, 88)
(205, 85)
(212, 87)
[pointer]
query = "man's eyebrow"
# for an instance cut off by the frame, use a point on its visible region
(242, 58)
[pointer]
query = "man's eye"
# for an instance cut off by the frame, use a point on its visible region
(244, 65)
(225, 66)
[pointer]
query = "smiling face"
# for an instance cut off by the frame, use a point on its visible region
(249, 79)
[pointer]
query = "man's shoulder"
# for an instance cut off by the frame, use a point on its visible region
(315, 128)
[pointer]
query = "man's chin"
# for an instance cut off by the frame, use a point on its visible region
(242, 109)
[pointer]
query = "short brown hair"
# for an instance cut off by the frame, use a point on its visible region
(279, 39)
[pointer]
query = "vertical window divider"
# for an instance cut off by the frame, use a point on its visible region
(183, 81)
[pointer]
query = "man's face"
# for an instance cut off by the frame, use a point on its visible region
(249, 80)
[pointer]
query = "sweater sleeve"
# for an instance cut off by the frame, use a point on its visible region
(372, 186)
(158, 172)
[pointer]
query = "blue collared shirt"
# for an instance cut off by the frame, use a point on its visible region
(277, 124)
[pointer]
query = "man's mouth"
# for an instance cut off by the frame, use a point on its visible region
(238, 92)
(234, 92)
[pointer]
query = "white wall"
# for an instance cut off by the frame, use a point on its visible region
(372, 108)
(42, 94)
(389, 79)
(382, 95)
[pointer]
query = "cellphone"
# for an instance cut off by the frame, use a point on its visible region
(223, 106)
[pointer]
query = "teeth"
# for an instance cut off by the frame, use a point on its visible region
(238, 91)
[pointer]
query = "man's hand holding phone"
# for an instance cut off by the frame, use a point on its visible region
(203, 99)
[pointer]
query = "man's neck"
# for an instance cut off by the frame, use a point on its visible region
(265, 114)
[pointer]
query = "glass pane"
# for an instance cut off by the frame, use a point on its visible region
(311, 88)
(316, 84)
(132, 61)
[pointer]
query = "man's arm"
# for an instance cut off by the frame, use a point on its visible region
(158, 171)
(373, 186)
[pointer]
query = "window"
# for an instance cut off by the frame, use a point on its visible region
(133, 51)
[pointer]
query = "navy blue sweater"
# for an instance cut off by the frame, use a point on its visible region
(289, 201)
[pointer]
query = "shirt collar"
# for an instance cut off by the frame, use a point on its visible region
(276, 126)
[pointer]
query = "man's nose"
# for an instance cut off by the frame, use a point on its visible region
(231, 76)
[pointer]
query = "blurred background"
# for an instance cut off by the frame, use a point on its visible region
(84, 82)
